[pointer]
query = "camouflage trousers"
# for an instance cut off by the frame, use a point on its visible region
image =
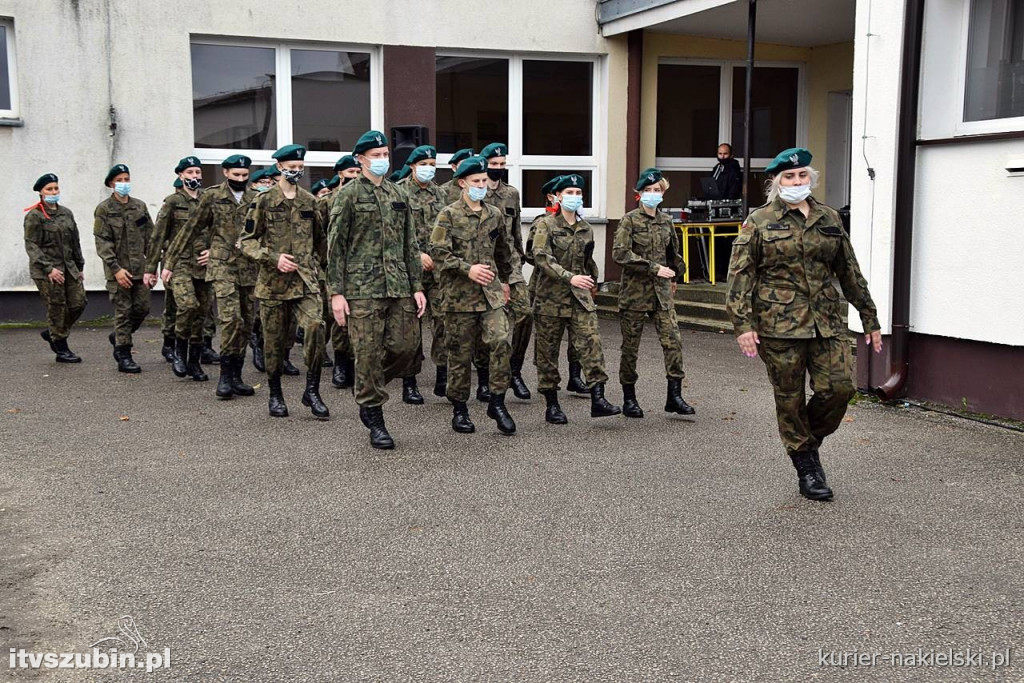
(632, 325)
(279, 320)
(131, 306)
(522, 332)
(64, 304)
(583, 333)
(829, 363)
(169, 324)
(385, 335)
(191, 300)
(466, 334)
(335, 333)
(235, 310)
(434, 317)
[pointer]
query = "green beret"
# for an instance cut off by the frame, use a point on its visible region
(648, 176)
(187, 162)
(461, 156)
(43, 181)
(549, 187)
(116, 169)
(371, 139)
(570, 180)
(471, 166)
(400, 173)
(290, 153)
(256, 176)
(795, 157)
(495, 149)
(420, 153)
(333, 182)
(178, 184)
(346, 162)
(317, 186)
(271, 172)
(236, 161)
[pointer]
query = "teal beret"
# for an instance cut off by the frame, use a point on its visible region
(333, 182)
(420, 153)
(290, 153)
(371, 139)
(648, 176)
(471, 166)
(257, 175)
(399, 174)
(236, 161)
(795, 157)
(495, 149)
(187, 162)
(461, 156)
(317, 186)
(178, 184)
(271, 172)
(44, 180)
(346, 162)
(116, 169)
(549, 187)
(570, 180)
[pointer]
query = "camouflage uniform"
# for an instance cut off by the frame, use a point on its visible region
(52, 241)
(561, 251)
(375, 264)
(122, 233)
(337, 334)
(506, 198)
(643, 244)
(450, 191)
(277, 225)
(780, 285)
(474, 313)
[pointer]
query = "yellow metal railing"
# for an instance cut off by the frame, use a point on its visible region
(712, 231)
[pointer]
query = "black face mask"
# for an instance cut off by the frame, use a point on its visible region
(238, 185)
(193, 183)
(497, 174)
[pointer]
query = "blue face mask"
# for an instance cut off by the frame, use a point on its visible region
(651, 199)
(477, 194)
(123, 189)
(571, 202)
(425, 174)
(379, 167)
(51, 198)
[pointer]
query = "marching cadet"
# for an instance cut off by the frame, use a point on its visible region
(400, 174)
(563, 249)
(285, 235)
(213, 231)
(55, 264)
(347, 169)
(784, 308)
(320, 189)
(122, 228)
(451, 190)
(474, 261)
(343, 376)
(374, 276)
(261, 181)
(187, 298)
(425, 201)
(647, 248)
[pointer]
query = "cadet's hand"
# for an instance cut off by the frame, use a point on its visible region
(582, 281)
(166, 276)
(204, 257)
(748, 342)
(666, 273)
(124, 278)
(285, 264)
(421, 303)
(428, 263)
(673, 288)
(81, 276)
(339, 306)
(56, 277)
(481, 274)
(875, 339)
(149, 279)
(507, 290)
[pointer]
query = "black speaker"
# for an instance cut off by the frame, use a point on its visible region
(404, 139)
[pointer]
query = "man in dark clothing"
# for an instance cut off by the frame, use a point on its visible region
(727, 174)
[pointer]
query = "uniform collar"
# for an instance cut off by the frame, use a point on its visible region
(780, 208)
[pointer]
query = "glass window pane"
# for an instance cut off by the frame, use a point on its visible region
(533, 181)
(558, 107)
(472, 102)
(688, 110)
(233, 97)
(995, 63)
(774, 112)
(5, 73)
(330, 98)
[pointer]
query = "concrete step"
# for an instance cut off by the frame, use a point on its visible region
(693, 315)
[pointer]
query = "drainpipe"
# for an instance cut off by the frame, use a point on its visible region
(906, 174)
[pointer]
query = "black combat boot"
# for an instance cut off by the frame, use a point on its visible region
(483, 378)
(497, 411)
(576, 385)
(167, 350)
(224, 391)
(553, 413)
(276, 402)
(441, 381)
(125, 362)
(192, 366)
(209, 356)
(300, 336)
(45, 334)
(287, 367)
(344, 375)
(64, 354)
(819, 470)
(311, 396)
(411, 392)
(178, 366)
(338, 373)
(675, 403)
(373, 418)
(460, 418)
(630, 407)
(599, 407)
(238, 387)
(519, 388)
(256, 342)
(112, 338)
(811, 485)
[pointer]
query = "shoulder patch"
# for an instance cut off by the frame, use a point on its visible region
(510, 211)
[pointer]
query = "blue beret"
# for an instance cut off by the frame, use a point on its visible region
(648, 176)
(236, 161)
(346, 162)
(116, 169)
(420, 153)
(290, 153)
(371, 139)
(44, 180)
(570, 180)
(795, 157)
(495, 149)
(471, 166)
(461, 156)
(187, 162)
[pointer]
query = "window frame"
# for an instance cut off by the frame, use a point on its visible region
(283, 96)
(962, 127)
(13, 113)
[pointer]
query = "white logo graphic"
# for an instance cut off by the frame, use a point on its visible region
(793, 158)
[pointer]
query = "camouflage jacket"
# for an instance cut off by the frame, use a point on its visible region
(450, 191)
(372, 250)
(122, 233)
(780, 275)
(462, 238)
(277, 225)
(560, 251)
(506, 198)
(53, 242)
(175, 212)
(531, 235)
(643, 244)
(425, 204)
(216, 225)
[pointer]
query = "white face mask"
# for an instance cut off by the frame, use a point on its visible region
(795, 194)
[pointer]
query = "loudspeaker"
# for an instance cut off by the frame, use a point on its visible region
(404, 139)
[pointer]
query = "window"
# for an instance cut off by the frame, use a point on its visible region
(547, 110)
(254, 98)
(994, 82)
(8, 89)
